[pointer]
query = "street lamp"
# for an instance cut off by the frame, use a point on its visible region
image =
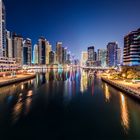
(123, 75)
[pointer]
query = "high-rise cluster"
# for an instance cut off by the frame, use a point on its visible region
(111, 56)
(44, 55)
(15, 51)
(40, 54)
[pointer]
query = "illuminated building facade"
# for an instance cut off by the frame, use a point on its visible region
(59, 52)
(91, 56)
(64, 55)
(101, 56)
(42, 51)
(18, 48)
(9, 47)
(51, 57)
(36, 54)
(112, 54)
(48, 50)
(2, 29)
(131, 51)
(27, 51)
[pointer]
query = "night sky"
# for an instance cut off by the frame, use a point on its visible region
(77, 23)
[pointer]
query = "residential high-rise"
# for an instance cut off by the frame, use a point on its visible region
(69, 57)
(119, 56)
(131, 51)
(95, 56)
(64, 59)
(51, 57)
(59, 52)
(42, 50)
(112, 54)
(36, 54)
(2, 29)
(64, 55)
(17, 43)
(91, 56)
(48, 49)
(27, 52)
(101, 56)
(9, 47)
(84, 58)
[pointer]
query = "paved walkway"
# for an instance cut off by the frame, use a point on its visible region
(122, 85)
(9, 79)
(133, 86)
(126, 86)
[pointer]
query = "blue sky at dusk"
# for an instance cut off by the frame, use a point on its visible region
(77, 23)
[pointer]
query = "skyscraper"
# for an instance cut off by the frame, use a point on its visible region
(69, 57)
(91, 56)
(27, 51)
(2, 29)
(36, 54)
(91, 53)
(119, 56)
(131, 51)
(18, 48)
(101, 56)
(51, 57)
(9, 46)
(59, 52)
(64, 55)
(48, 49)
(112, 54)
(42, 50)
(95, 56)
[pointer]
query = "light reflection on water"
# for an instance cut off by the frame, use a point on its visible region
(124, 113)
(107, 93)
(28, 105)
(84, 81)
(68, 84)
(17, 109)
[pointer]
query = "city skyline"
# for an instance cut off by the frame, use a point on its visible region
(78, 25)
(67, 67)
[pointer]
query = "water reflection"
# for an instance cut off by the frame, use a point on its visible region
(17, 109)
(63, 89)
(22, 105)
(124, 113)
(28, 102)
(84, 81)
(30, 93)
(107, 93)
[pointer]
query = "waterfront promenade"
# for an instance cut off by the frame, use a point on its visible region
(133, 89)
(7, 80)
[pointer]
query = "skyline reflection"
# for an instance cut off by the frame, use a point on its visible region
(68, 97)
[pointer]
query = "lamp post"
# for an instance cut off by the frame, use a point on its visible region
(123, 75)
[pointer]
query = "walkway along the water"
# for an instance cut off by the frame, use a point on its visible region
(4, 81)
(126, 89)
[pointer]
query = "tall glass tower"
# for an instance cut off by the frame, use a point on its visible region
(2, 29)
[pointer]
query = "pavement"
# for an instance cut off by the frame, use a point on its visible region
(10, 78)
(130, 85)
